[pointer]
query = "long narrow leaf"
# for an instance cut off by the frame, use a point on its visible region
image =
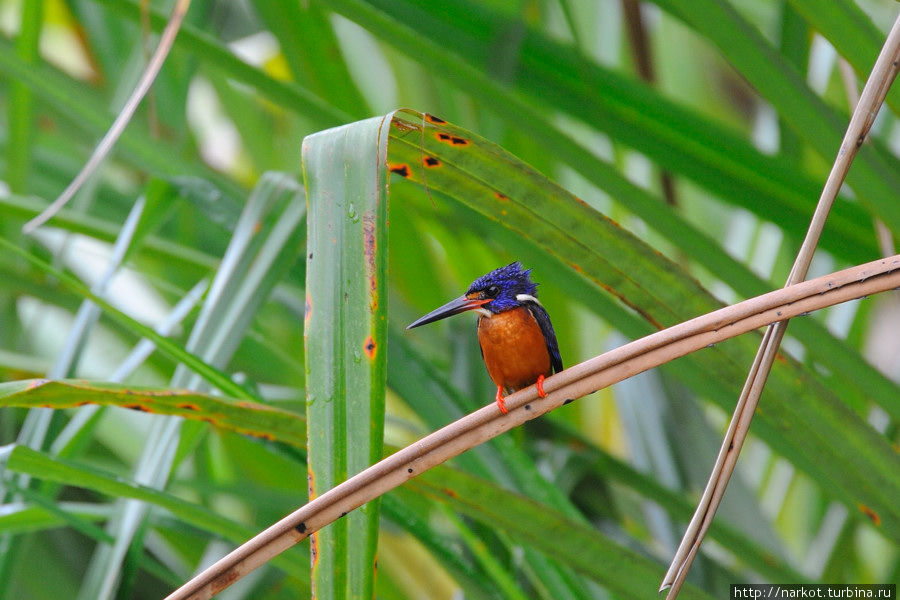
(240, 416)
(345, 338)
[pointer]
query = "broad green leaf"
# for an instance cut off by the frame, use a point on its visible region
(37, 464)
(493, 183)
(414, 513)
(346, 337)
(241, 416)
(554, 77)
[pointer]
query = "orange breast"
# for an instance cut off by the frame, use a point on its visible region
(514, 349)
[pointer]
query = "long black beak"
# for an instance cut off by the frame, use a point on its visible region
(454, 307)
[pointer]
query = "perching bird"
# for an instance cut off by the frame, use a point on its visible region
(517, 341)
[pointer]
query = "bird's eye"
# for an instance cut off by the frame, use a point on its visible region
(492, 291)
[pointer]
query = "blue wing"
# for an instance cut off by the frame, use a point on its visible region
(543, 319)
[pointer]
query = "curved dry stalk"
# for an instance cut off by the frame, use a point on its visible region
(848, 76)
(883, 74)
(575, 382)
(115, 130)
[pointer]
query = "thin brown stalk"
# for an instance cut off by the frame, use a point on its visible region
(636, 28)
(575, 382)
(115, 130)
(848, 76)
(883, 74)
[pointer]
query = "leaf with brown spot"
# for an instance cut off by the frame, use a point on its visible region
(239, 416)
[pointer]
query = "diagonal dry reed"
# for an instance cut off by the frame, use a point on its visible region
(883, 74)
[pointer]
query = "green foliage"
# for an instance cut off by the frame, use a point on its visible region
(189, 261)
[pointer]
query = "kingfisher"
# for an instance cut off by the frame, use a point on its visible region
(518, 344)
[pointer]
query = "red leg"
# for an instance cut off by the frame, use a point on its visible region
(500, 402)
(540, 387)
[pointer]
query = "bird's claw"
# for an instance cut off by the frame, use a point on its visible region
(501, 403)
(540, 386)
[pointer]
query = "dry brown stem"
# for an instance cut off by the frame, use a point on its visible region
(115, 130)
(883, 74)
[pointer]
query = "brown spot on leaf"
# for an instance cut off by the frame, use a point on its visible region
(311, 484)
(138, 407)
(501, 196)
(370, 347)
(873, 516)
(431, 162)
(434, 119)
(189, 406)
(405, 125)
(452, 139)
(370, 246)
(400, 169)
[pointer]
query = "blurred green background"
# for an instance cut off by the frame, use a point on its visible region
(703, 128)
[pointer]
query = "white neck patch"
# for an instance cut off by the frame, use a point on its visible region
(483, 312)
(528, 298)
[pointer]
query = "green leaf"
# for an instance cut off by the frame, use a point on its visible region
(345, 335)
(240, 416)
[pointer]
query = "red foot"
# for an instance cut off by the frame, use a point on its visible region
(501, 404)
(540, 387)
